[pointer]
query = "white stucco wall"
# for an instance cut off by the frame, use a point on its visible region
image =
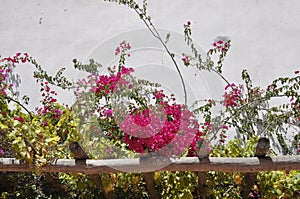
(265, 34)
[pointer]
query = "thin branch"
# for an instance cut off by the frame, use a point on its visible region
(222, 77)
(19, 103)
(156, 34)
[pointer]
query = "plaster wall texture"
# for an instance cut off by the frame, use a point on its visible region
(264, 33)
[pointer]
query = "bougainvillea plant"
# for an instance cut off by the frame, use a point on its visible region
(249, 110)
(116, 115)
(40, 136)
(137, 112)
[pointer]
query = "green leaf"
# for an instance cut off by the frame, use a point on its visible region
(52, 139)
(3, 126)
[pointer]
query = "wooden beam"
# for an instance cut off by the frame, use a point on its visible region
(202, 178)
(261, 150)
(150, 185)
(80, 159)
(222, 164)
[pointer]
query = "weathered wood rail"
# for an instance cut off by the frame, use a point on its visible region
(222, 164)
(94, 167)
(148, 165)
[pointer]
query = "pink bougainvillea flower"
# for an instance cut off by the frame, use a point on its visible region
(221, 43)
(186, 60)
(122, 48)
(127, 71)
(167, 130)
(20, 119)
(233, 97)
(16, 58)
(125, 46)
(1, 152)
(230, 86)
(142, 124)
(225, 127)
(47, 89)
(45, 123)
(57, 113)
(187, 25)
(108, 113)
(117, 51)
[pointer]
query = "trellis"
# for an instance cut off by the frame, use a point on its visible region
(147, 166)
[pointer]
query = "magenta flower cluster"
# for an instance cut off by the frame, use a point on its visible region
(186, 59)
(232, 95)
(6, 70)
(105, 84)
(49, 107)
(221, 45)
(3, 75)
(16, 59)
(20, 119)
(122, 48)
(168, 129)
(161, 125)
